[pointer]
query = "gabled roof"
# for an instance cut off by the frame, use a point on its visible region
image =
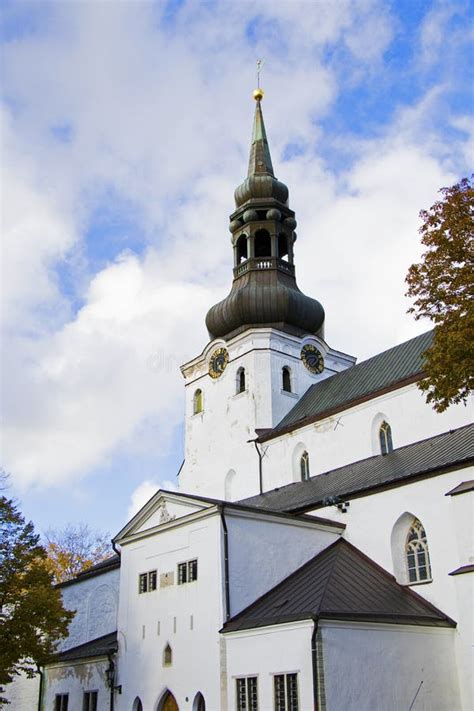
(99, 647)
(340, 583)
(385, 371)
(450, 450)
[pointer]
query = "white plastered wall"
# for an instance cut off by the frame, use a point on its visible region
(377, 667)
(352, 434)
(216, 439)
(264, 652)
(74, 679)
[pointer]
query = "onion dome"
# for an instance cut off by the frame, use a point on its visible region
(264, 292)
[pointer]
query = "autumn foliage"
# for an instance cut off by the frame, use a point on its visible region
(32, 616)
(442, 286)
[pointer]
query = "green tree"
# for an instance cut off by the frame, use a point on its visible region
(73, 549)
(32, 616)
(442, 286)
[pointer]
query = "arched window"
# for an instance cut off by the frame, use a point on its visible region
(197, 402)
(385, 436)
(286, 379)
(417, 556)
(263, 244)
(304, 466)
(137, 705)
(199, 704)
(240, 385)
(242, 249)
(167, 656)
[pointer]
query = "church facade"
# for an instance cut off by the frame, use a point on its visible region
(318, 554)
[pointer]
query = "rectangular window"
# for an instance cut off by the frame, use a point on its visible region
(152, 580)
(182, 573)
(147, 582)
(188, 571)
(247, 695)
(192, 570)
(89, 702)
(286, 692)
(61, 702)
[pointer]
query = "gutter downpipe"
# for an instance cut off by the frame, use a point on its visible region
(260, 457)
(40, 690)
(226, 566)
(314, 659)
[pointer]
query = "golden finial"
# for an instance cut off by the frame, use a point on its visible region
(258, 93)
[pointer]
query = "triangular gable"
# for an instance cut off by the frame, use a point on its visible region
(163, 508)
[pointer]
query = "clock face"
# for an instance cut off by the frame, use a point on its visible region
(312, 358)
(218, 362)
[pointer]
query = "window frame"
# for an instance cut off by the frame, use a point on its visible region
(247, 705)
(286, 371)
(240, 385)
(88, 696)
(385, 438)
(61, 702)
(148, 582)
(416, 547)
(198, 402)
(304, 466)
(190, 569)
(288, 702)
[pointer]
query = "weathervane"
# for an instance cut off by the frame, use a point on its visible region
(258, 93)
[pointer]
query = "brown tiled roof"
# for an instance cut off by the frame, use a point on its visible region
(340, 583)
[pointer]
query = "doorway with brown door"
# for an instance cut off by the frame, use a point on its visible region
(169, 703)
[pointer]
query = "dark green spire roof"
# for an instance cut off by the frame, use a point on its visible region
(260, 160)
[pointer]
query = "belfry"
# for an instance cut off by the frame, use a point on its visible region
(264, 291)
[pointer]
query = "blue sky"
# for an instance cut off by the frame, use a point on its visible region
(125, 130)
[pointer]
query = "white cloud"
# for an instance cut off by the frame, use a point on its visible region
(158, 115)
(143, 493)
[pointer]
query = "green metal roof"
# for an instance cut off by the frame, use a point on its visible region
(337, 392)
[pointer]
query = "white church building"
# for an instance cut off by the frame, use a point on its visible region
(318, 555)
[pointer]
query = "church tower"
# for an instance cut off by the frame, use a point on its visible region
(267, 340)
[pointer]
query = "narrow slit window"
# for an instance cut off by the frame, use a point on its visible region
(286, 379)
(240, 380)
(197, 402)
(304, 466)
(385, 435)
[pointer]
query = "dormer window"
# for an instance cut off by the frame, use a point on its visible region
(197, 402)
(286, 379)
(240, 385)
(385, 436)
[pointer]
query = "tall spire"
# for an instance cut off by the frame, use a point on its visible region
(260, 160)
(264, 291)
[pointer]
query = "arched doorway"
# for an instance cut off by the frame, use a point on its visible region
(168, 703)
